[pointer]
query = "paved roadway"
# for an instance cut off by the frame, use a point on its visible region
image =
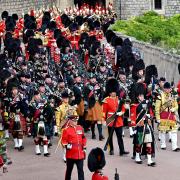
(27, 166)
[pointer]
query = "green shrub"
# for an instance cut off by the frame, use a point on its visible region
(153, 28)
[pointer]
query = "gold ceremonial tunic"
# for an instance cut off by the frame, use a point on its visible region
(165, 108)
(62, 112)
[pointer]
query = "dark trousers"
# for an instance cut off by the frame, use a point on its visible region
(119, 131)
(70, 164)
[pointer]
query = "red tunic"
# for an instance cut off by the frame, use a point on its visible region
(133, 114)
(178, 90)
(99, 176)
(110, 106)
(75, 137)
(74, 39)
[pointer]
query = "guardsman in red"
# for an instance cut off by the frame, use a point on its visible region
(96, 161)
(74, 141)
(111, 106)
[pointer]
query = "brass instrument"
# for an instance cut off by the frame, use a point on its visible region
(84, 27)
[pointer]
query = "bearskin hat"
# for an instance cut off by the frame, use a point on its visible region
(12, 83)
(140, 89)
(151, 71)
(167, 85)
(96, 159)
(10, 26)
(65, 94)
(32, 46)
(79, 20)
(4, 15)
(32, 25)
(52, 25)
(57, 33)
(112, 85)
(60, 41)
(73, 27)
(105, 27)
(109, 34)
(29, 33)
(47, 14)
(139, 65)
(116, 41)
(97, 24)
(3, 62)
(136, 89)
(4, 74)
(15, 17)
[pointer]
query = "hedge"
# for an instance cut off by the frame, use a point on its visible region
(153, 28)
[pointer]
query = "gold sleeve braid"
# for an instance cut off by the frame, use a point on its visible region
(157, 108)
(58, 115)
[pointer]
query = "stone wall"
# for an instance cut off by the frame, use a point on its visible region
(128, 8)
(172, 7)
(167, 64)
(131, 8)
(62, 4)
(19, 6)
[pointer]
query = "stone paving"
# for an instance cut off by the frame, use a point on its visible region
(27, 166)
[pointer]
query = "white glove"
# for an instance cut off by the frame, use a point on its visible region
(69, 146)
(126, 106)
(120, 113)
(172, 110)
(158, 120)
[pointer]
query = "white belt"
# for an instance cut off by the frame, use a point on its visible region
(110, 112)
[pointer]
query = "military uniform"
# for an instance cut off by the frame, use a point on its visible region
(93, 95)
(165, 108)
(74, 140)
(111, 106)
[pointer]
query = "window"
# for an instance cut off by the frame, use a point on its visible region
(157, 4)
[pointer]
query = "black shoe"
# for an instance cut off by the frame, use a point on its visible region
(9, 162)
(170, 140)
(101, 138)
(138, 162)
(38, 154)
(55, 134)
(159, 139)
(111, 152)
(163, 148)
(133, 157)
(93, 136)
(131, 136)
(47, 154)
(123, 153)
(50, 144)
(20, 148)
(152, 164)
(176, 150)
(5, 169)
(16, 148)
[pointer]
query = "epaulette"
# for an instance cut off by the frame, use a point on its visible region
(57, 109)
(104, 100)
(158, 97)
